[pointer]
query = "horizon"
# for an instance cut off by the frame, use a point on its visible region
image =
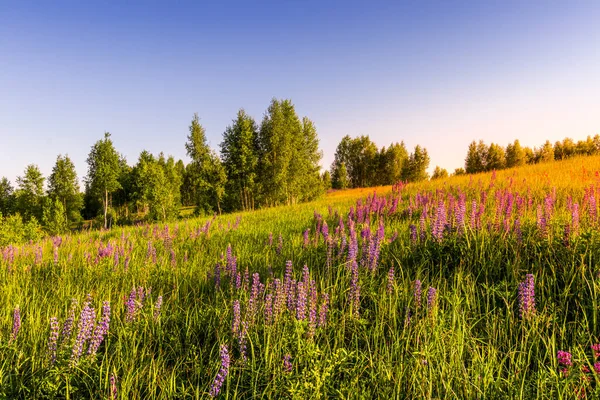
(440, 78)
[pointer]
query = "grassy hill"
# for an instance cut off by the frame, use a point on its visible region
(482, 286)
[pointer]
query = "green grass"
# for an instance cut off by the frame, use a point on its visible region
(472, 344)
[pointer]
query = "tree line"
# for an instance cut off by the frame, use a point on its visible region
(359, 163)
(481, 157)
(272, 163)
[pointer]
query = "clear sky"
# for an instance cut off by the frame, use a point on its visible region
(439, 74)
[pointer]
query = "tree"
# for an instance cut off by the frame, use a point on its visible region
(545, 153)
(361, 158)
(415, 169)
(439, 173)
(288, 154)
(476, 157)
(239, 151)
(326, 179)
(205, 174)
(458, 172)
(391, 162)
(586, 147)
(103, 172)
(7, 198)
(30, 193)
(54, 219)
(339, 179)
(515, 155)
(495, 158)
(64, 187)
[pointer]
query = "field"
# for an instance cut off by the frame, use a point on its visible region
(471, 287)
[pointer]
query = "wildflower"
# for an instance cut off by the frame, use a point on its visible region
(287, 363)
(16, 323)
(113, 387)
(323, 308)
(301, 301)
(564, 358)
(85, 327)
(101, 329)
(68, 324)
(390, 280)
(53, 339)
(131, 306)
(527, 297)
(269, 309)
(157, 307)
(215, 388)
(596, 349)
(417, 294)
(431, 298)
(597, 367)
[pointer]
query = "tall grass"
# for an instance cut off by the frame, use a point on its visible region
(378, 339)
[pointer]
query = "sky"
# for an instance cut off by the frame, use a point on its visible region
(436, 73)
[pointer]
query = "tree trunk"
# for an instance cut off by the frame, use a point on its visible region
(105, 207)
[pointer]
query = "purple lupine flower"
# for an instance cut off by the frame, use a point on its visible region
(131, 306)
(242, 340)
(235, 326)
(527, 297)
(597, 367)
(312, 309)
(113, 387)
(353, 245)
(517, 229)
(53, 339)
(157, 307)
(254, 296)
(67, 327)
(541, 221)
(101, 329)
(413, 234)
(431, 298)
(417, 294)
(323, 309)
(575, 219)
(269, 309)
(440, 221)
(306, 239)
(287, 363)
(246, 283)
(16, 323)
(564, 358)
(390, 280)
(354, 289)
(85, 327)
(301, 301)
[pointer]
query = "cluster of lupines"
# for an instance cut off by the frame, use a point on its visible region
(217, 384)
(136, 301)
(527, 297)
(16, 324)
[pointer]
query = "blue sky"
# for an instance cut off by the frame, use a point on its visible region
(439, 74)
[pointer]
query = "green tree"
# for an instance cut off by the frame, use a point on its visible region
(205, 174)
(415, 169)
(305, 168)
(54, 219)
(30, 193)
(103, 173)
(586, 147)
(459, 171)
(476, 157)
(7, 197)
(439, 173)
(326, 179)
(544, 153)
(495, 157)
(277, 139)
(64, 187)
(361, 158)
(391, 161)
(339, 178)
(515, 155)
(239, 151)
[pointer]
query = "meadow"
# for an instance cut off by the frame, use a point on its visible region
(472, 287)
